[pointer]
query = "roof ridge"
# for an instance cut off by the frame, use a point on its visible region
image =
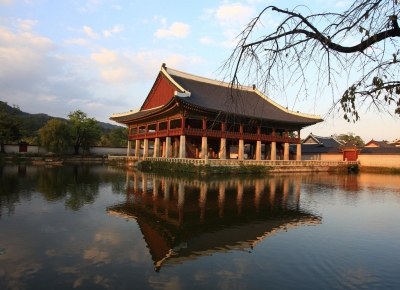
(203, 79)
(178, 73)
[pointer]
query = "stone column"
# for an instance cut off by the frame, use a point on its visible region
(204, 147)
(145, 147)
(222, 149)
(258, 150)
(137, 148)
(241, 150)
(176, 148)
(298, 152)
(168, 147)
(163, 149)
(182, 147)
(286, 151)
(156, 152)
(273, 151)
(128, 149)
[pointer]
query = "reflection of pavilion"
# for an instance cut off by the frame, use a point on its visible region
(184, 219)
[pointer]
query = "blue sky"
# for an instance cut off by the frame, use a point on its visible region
(102, 57)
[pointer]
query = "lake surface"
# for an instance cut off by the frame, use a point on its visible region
(100, 227)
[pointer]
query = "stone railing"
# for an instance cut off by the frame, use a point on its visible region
(236, 162)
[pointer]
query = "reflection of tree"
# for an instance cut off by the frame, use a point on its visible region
(11, 192)
(83, 187)
(52, 183)
(74, 184)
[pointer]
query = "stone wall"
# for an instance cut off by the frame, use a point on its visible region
(383, 160)
(33, 149)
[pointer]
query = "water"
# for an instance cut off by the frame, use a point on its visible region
(99, 227)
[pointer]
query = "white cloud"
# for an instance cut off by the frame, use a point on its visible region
(117, 67)
(177, 29)
(89, 32)
(6, 2)
(26, 24)
(116, 29)
(77, 41)
(233, 15)
(206, 40)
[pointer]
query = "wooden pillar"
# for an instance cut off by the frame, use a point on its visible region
(168, 147)
(241, 149)
(273, 150)
(128, 149)
(204, 124)
(182, 146)
(286, 151)
(203, 147)
(222, 149)
(298, 152)
(146, 147)
(137, 148)
(258, 150)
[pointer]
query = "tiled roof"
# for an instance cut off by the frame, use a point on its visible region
(246, 101)
(323, 141)
(211, 95)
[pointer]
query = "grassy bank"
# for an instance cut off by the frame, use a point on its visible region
(160, 166)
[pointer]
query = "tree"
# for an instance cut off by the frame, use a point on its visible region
(85, 132)
(10, 125)
(350, 137)
(55, 136)
(118, 137)
(358, 46)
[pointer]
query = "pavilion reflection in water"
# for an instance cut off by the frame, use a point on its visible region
(182, 219)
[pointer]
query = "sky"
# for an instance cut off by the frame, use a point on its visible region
(102, 57)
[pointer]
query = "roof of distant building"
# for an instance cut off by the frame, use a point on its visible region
(320, 141)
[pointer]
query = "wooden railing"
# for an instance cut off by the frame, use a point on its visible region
(213, 134)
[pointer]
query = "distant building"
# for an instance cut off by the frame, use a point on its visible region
(316, 147)
(374, 143)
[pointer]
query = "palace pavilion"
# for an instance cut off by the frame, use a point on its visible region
(187, 116)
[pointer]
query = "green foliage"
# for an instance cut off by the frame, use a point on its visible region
(163, 166)
(10, 125)
(55, 136)
(350, 137)
(85, 132)
(118, 137)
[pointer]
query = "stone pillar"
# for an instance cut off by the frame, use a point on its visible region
(222, 149)
(298, 152)
(273, 151)
(286, 151)
(168, 147)
(137, 148)
(258, 150)
(163, 150)
(203, 147)
(145, 147)
(176, 148)
(241, 150)
(156, 147)
(182, 147)
(128, 149)
(267, 151)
